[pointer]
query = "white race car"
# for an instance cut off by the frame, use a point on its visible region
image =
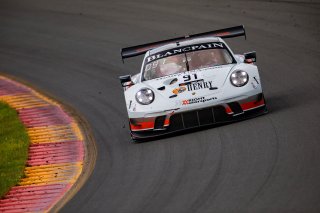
(190, 82)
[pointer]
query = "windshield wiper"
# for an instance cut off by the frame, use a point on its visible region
(187, 63)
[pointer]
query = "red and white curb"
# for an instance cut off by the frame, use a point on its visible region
(56, 151)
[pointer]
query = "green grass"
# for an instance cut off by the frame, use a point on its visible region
(14, 143)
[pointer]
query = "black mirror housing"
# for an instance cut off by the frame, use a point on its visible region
(125, 79)
(250, 57)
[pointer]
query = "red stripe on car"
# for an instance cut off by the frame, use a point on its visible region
(252, 104)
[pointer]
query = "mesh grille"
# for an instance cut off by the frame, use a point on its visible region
(159, 122)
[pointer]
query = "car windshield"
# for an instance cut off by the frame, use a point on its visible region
(183, 62)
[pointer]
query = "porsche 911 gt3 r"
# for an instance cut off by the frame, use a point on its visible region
(191, 82)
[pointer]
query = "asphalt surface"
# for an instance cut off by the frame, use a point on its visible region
(267, 164)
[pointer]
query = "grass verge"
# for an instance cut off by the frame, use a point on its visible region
(14, 143)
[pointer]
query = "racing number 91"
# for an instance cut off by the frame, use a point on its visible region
(189, 77)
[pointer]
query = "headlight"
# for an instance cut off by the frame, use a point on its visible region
(145, 96)
(239, 78)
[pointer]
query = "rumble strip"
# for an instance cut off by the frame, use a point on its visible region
(56, 151)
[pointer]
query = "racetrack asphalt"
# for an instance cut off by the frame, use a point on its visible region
(271, 163)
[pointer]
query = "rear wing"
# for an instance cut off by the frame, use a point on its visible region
(143, 48)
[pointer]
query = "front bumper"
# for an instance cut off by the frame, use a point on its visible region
(146, 128)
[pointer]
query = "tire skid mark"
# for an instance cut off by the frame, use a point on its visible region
(56, 150)
(272, 169)
(211, 189)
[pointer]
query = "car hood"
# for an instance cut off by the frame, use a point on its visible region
(200, 82)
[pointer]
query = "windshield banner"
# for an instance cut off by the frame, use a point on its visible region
(179, 50)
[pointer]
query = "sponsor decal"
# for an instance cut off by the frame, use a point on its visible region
(179, 90)
(185, 102)
(197, 100)
(192, 82)
(197, 85)
(176, 51)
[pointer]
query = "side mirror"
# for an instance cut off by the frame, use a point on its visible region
(125, 80)
(250, 57)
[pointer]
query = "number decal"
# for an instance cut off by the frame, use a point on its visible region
(188, 77)
(195, 76)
